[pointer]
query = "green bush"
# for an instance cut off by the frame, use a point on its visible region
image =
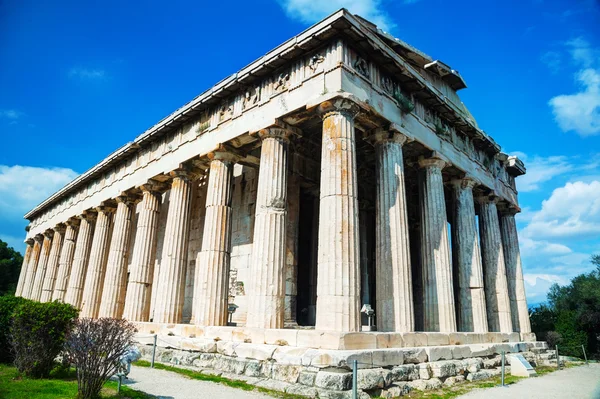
(8, 303)
(37, 334)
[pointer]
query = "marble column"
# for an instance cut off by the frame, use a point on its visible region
(66, 260)
(52, 266)
(471, 315)
(171, 280)
(32, 265)
(338, 281)
(96, 270)
(40, 273)
(514, 272)
(23, 274)
(139, 287)
(211, 287)
(494, 270)
(267, 268)
(80, 259)
(393, 275)
(438, 292)
(115, 281)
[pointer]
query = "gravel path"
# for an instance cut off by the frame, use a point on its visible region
(574, 383)
(169, 385)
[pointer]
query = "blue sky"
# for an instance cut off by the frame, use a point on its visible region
(79, 79)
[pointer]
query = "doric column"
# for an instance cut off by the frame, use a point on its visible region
(40, 273)
(115, 282)
(32, 265)
(267, 267)
(514, 271)
(211, 287)
(96, 270)
(438, 291)
(80, 259)
(139, 287)
(393, 276)
(171, 280)
(494, 270)
(338, 275)
(66, 260)
(52, 266)
(466, 257)
(23, 274)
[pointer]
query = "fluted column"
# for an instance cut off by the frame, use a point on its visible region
(115, 282)
(139, 287)
(211, 287)
(494, 269)
(171, 284)
(338, 275)
(52, 266)
(393, 276)
(96, 271)
(80, 259)
(66, 260)
(267, 267)
(40, 273)
(438, 291)
(466, 255)
(514, 272)
(23, 274)
(32, 265)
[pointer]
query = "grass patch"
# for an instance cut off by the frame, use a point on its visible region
(196, 375)
(62, 384)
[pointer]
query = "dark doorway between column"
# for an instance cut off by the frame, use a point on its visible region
(308, 233)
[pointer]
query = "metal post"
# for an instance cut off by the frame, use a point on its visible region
(153, 352)
(584, 355)
(557, 358)
(503, 356)
(355, 379)
(119, 385)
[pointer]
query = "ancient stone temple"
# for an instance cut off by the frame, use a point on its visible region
(339, 170)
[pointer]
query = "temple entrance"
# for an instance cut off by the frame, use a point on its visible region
(308, 241)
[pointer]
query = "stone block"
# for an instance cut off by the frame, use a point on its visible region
(514, 337)
(289, 355)
(331, 358)
(281, 337)
(479, 375)
(424, 371)
(368, 379)
(389, 340)
(426, 385)
(219, 333)
(358, 340)
(412, 340)
(406, 372)
(435, 353)
(335, 379)
(274, 385)
(169, 341)
(459, 338)
(443, 369)
(450, 381)
(302, 390)
(387, 357)
(415, 355)
(319, 339)
(285, 372)
(461, 352)
(255, 351)
(307, 378)
(482, 350)
(528, 337)
(205, 360)
(254, 368)
(473, 365)
(226, 348)
(396, 390)
(199, 344)
(437, 339)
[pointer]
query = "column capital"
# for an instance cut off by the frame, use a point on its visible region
(29, 241)
(490, 198)
(436, 160)
(341, 105)
(466, 182)
(105, 208)
(48, 234)
(60, 228)
(128, 198)
(224, 153)
(379, 136)
(154, 186)
(39, 238)
(507, 209)
(186, 173)
(73, 222)
(90, 215)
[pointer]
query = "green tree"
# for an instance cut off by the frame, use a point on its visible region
(10, 268)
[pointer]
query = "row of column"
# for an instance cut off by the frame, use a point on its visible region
(84, 262)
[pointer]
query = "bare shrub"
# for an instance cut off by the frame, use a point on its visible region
(95, 347)
(553, 338)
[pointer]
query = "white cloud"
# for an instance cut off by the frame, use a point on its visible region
(310, 11)
(582, 52)
(87, 73)
(537, 286)
(580, 112)
(572, 211)
(24, 187)
(10, 114)
(530, 247)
